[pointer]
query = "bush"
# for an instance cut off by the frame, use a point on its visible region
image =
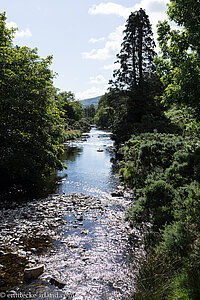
(154, 206)
(165, 174)
(148, 153)
(156, 272)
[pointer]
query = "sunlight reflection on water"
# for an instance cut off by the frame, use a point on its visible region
(90, 171)
(93, 255)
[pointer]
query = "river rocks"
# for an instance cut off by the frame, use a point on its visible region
(39, 218)
(117, 193)
(33, 273)
(80, 218)
(2, 267)
(57, 282)
(80, 240)
(2, 253)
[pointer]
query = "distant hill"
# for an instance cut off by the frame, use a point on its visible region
(88, 102)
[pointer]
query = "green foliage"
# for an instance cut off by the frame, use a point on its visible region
(165, 174)
(72, 134)
(179, 65)
(72, 112)
(186, 13)
(153, 281)
(182, 236)
(135, 84)
(83, 125)
(90, 112)
(136, 55)
(31, 132)
(185, 285)
(103, 117)
(176, 239)
(154, 206)
(132, 113)
(147, 153)
(164, 169)
(72, 109)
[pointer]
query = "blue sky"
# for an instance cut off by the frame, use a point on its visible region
(83, 36)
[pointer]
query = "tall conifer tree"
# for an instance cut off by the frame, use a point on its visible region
(136, 55)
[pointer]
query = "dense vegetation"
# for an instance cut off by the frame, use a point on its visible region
(35, 118)
(153, 108)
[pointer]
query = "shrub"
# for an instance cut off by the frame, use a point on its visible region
(155, 206)
(147, 153)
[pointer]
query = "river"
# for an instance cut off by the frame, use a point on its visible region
(89, 167)
(90, 250)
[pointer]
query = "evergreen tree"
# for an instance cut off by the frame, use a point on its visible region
(136, 55)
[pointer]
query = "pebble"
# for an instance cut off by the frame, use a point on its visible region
(80, 218)
(2, 267)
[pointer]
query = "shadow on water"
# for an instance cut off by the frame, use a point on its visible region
(90, 169)
(42, 186)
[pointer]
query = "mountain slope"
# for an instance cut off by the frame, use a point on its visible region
(88, 102)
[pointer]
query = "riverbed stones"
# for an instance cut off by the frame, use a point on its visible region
(87, 249)
(33, 273)
(37, 217)
(80, 218)
(117, 193)
(54, 281)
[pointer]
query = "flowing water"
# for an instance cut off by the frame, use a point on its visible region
(91, 252)
(89, 167)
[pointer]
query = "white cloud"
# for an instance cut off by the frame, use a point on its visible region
(109, 8)
(10, 25)
(19, 33)
(90, 93)
(111, 67)
(93, 41)
(110, 49)
(154, 8)
(99, 79)
(153, 5)
(112, 46)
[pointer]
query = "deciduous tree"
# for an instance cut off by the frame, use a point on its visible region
(30, 129)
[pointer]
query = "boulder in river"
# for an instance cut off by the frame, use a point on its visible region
(54, 281)
(117, 193)
(33, 273)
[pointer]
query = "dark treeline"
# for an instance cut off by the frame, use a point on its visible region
(35, 118)
(152, 108)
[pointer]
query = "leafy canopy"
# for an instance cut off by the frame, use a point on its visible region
(30, 124)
